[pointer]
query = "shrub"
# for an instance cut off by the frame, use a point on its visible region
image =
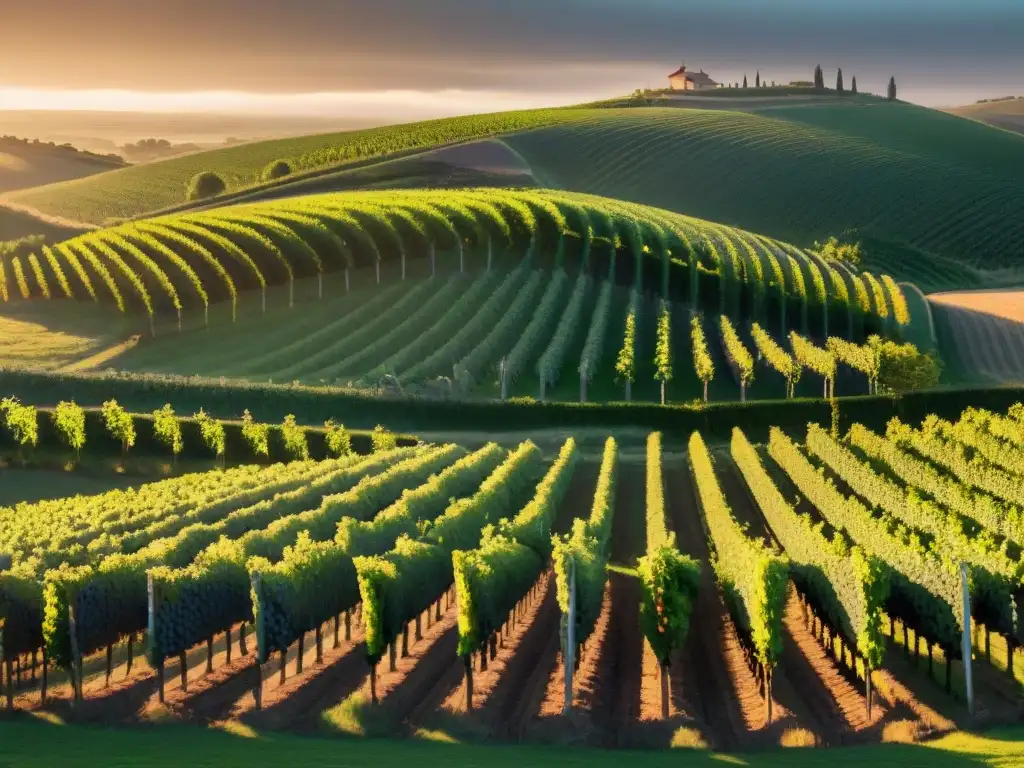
(294, 439)
(204, 185)
(119, 424)
(338, 439)
(383, 440)
(69, 419)
(257, 435)
(276, 170)
(21, 421)
(212, 433)
(167, 429)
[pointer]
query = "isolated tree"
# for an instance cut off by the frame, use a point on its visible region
(819, 77)
(757, 80)
(839, 81)
(853, 86)
(204, 185)
(276, 170)
(744, 81)
(892, 89)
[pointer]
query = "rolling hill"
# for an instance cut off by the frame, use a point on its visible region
(1007, 113)
(427, 284)
(933, 196)
(25, 164)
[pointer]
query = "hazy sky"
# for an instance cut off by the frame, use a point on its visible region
(394, 56)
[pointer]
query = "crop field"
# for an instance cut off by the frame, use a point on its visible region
(529, 287)
(943, 186)
(804, 591)
(981, 334)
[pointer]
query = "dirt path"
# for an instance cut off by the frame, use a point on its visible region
(726, 695)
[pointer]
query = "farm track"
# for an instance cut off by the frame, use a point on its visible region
(620, 656)
(721, 687)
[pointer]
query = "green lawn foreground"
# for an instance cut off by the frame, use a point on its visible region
(26, 742)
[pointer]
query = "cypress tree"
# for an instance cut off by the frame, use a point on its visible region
(757, 82)
(744, 81)
(839, 81)
(853, 86)
(892, 89)
(819, 77)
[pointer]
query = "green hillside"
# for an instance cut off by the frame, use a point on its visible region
(428, 284)
(934, 196)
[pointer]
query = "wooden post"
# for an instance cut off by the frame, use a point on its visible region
(494, 647)
(257, 691)
(10, 683)
(110, 663)
(930, 648)
(768, 693)
(183, 661)
(348, 625)
(483, 657)
(76, 657)
(160, 680)
(468, 658)
(301, 653)
(241, 640)
(437, 612)
(419, 627)
(209, 654)
(966, 639)
(337, 629)
(867, 684)
(906, 641)
(664, 692)
(227, 644)
(405, 640)
(131, 654)
(319, 645)
(46, 664)
(988, 645)
(35, 661)
(284, 671)
(373, 683)
(391, 657)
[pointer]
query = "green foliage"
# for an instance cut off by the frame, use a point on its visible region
(821, 361)
(925, 588)
(167, 429)
(256, 435)
(737, 353)
(663, 346)
(625, 364)
(295, 439)
(904, 368)
(211, 432)
(69, 420)
(754, 578)
(585, 550)
(397, 586)
(21, 421)
(848, 588)
(205, 185)
(119, 424)
(777, 357)
(337, 438)
(383, 440)
(703, 365)
(278, 169)
(668, 578)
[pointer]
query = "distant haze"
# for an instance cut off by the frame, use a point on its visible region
(395, 59)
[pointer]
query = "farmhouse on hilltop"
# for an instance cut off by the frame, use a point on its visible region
(681, 80)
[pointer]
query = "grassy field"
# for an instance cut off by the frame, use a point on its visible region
(906, 177)
(50, 742)
(33, 485)
(52, 335)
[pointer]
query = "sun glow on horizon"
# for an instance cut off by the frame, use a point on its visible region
(337, 103)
